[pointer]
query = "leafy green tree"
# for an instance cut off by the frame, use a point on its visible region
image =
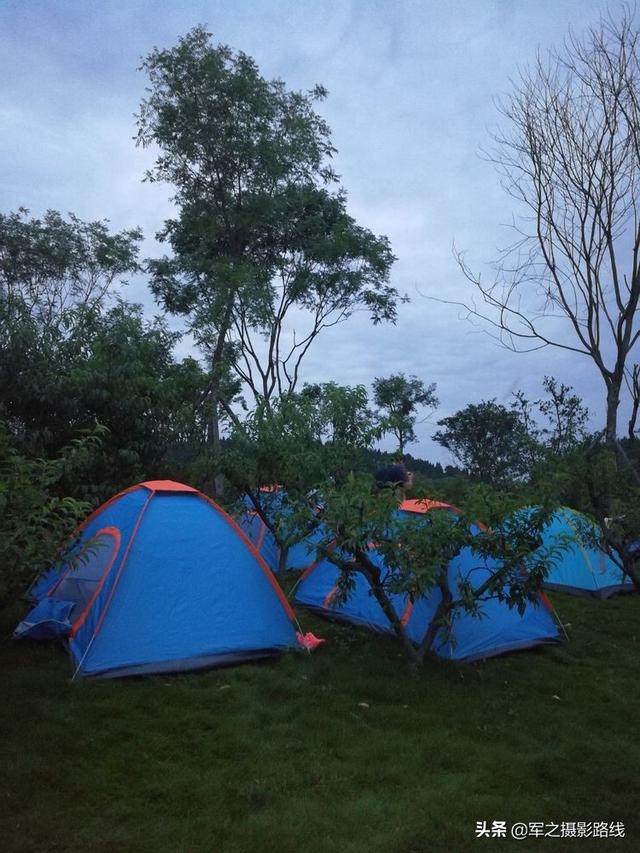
(35, 521)
(566, 417)
(51, 265)
(299, 442)
(258, 232)
(100, 366)
(416, 552)
(400, 397)
(343, 414)
(488, 440)
(561, 428)
(56, 277)
(131, 383)
(279, 445)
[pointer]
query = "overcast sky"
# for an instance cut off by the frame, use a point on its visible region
(412, 88)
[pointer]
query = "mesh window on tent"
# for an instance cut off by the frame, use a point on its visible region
(80, 580)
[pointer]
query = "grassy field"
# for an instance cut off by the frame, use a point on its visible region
(283, 756)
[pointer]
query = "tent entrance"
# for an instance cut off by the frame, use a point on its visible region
(86, 570)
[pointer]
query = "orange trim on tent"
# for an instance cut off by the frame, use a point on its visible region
(424, 505)
(544, 598)
(329, 596)
(79, 622)
(406, 613)
(167, 486)
(122, 565)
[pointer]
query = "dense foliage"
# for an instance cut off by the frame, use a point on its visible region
(35, 522)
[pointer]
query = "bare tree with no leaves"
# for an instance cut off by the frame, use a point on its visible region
(569, 153)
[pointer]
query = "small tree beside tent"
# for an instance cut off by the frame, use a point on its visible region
(420, 570)
(299, 442)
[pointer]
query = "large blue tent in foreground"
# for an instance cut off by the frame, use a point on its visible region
(169, 582)
(500, 629)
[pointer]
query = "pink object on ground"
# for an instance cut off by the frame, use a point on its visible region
(309, 641)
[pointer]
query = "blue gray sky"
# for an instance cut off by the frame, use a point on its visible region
(412, 88)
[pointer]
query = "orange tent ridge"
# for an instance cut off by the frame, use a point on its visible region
(167, 486)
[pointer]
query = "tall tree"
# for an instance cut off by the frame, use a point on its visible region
(569, 154)
(328, 267)
(488, 440)
(257, 232)
(400, 397)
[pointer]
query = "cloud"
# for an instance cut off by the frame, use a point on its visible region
(412, 88)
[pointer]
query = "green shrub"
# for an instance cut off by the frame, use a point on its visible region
(35, 522)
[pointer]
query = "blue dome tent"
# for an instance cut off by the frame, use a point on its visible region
(501, 629)
(260, 537)
(300, 555)
(581, 569)
(168, 582)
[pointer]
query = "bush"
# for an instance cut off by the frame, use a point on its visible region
(35, 523)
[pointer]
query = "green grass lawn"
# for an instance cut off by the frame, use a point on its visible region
(282, 756)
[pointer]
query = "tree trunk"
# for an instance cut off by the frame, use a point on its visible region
(635, 396)
(613, 401)
(442, 611)
(218, 479)
(283, 554)
(216, 359)
(372, 574)
(633, 419)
